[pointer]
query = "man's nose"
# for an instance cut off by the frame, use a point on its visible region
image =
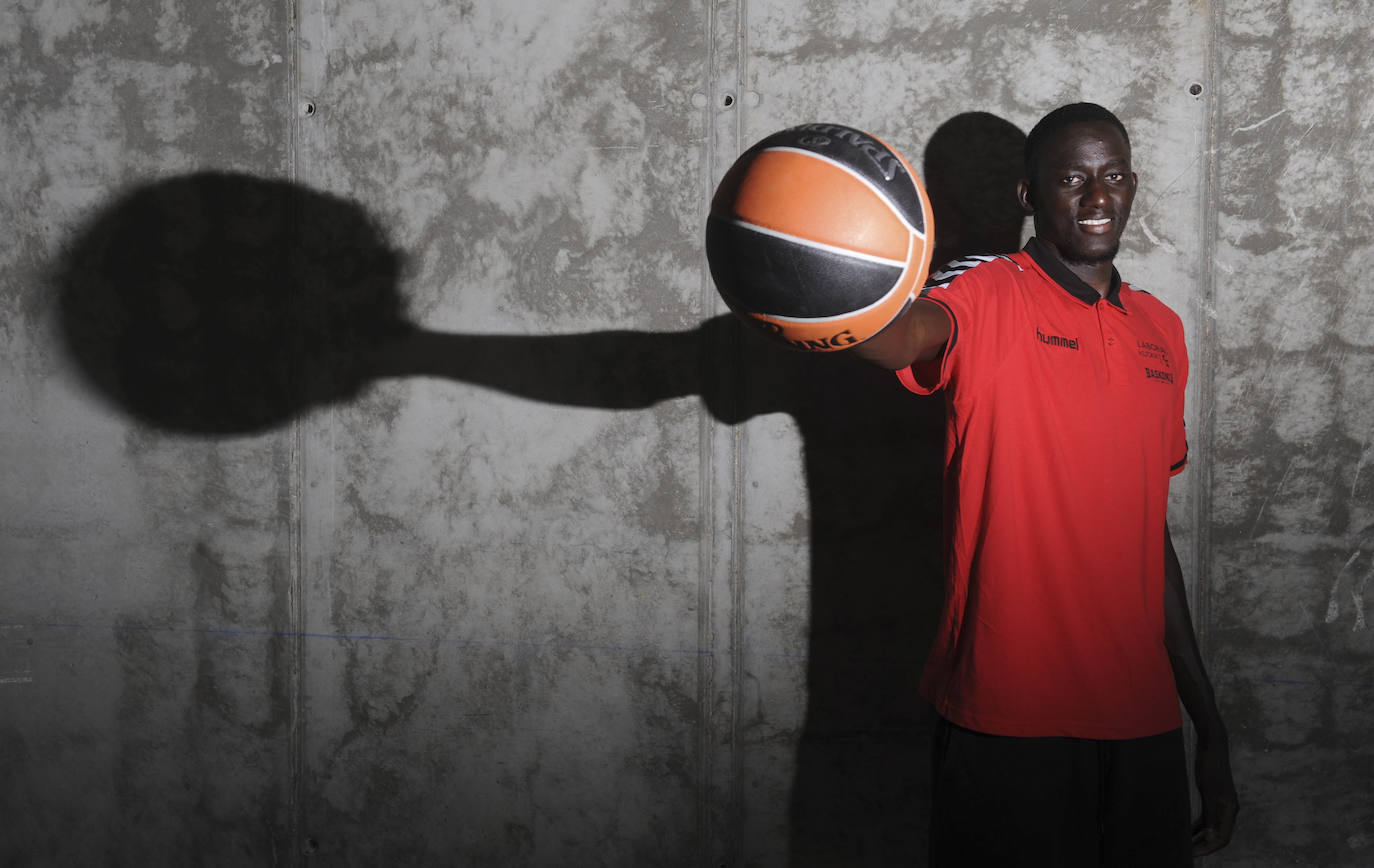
(1094, 192)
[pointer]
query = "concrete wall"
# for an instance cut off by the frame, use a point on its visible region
(382, 484)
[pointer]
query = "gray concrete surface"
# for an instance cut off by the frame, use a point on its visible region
(382, 485)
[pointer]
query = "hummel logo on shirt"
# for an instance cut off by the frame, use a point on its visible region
(1056, 340)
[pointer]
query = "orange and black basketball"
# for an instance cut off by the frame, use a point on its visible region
(820, 235)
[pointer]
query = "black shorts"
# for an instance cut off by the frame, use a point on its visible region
(1061, 802)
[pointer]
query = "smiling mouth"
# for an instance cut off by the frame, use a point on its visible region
(1097, 221)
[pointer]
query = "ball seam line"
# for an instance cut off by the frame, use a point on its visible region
(897, 212)
(818, 245)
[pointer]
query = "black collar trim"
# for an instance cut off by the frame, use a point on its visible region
(1070, 282)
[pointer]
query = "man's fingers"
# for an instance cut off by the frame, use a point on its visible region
(1209, 838)
(1206, 841)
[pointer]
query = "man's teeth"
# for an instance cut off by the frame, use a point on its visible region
(1100, 221)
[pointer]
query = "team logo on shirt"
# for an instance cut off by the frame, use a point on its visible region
(1156, 354)
(1056, 340)
(1152, 350)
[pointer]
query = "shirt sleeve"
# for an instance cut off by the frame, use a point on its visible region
(959, 293)
(1179, 448)
(925, 378)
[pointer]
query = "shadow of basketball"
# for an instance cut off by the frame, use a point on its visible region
(222, 304)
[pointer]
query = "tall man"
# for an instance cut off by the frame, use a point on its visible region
(1065, 643)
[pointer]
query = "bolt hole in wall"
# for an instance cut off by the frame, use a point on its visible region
(307, 108)
(728, 100)
(1195, 89)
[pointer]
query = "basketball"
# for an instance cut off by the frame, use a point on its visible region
(820, 235)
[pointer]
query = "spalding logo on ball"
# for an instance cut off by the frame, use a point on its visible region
(820, 235)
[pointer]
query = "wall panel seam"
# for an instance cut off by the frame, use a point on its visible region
(295, 517)
(737, 601)
(1207, 338)
(706, 662)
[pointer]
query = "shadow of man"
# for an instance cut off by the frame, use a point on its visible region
(220, 304)
(861, 794)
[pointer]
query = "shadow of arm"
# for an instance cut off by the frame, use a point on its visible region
(614, 370)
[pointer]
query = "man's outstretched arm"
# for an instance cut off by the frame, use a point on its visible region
(918, 334)
(1212, 769)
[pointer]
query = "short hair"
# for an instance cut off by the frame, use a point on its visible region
(1066, 116)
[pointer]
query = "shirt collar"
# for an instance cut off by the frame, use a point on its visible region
(1070, 282)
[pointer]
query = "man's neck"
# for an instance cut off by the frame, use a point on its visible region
(1072, 280)
(1098, 275)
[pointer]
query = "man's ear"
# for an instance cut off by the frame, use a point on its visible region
(1023, 195)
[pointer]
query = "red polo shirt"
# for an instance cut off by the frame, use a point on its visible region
(1064, 426)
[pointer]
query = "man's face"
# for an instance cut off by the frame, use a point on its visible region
(1082, 193)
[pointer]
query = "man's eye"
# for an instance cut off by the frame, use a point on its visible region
(1070, 180)
(1115, 176)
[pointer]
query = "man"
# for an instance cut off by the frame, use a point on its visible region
(1065, 643)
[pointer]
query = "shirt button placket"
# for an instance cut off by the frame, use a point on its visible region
(1107, 342)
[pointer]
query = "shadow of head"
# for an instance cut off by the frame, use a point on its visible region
(223, 304)
(971, 167)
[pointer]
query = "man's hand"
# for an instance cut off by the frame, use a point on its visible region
(918, 334)
(1212, 770)
(1212, 766)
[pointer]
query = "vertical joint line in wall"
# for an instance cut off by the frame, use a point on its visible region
(296, 610)
(738, 443)
(736, 637)
(295, 517)
(741, 69)
(1207, 345)
(706, 562)
(293, 91)
(719, 801)
(706, 662)
(719, 811)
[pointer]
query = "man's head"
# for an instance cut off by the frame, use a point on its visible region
(1079, 185)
